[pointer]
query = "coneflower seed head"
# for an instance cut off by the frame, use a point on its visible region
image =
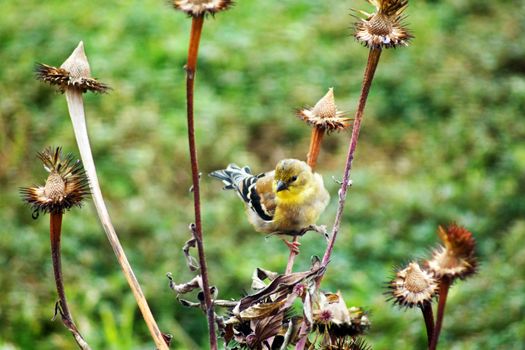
(325, 115)
(196, 8)
(413, 286)
(66, 185)
(385, 27)
(74, 73)
(457, 257)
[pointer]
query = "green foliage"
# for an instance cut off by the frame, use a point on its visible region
(441, 142)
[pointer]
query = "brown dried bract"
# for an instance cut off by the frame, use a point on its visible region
(334, 321)
(413, 286)
(457, 257)
(61, 78)
(383, 28)
(325, 115)
(65, 187)
(196, 8)
(74, 73)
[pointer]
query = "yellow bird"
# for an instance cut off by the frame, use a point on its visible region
(285, 201)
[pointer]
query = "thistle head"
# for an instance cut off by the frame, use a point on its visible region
(413, 286)
(74, 73)
(196, 8)
(324, 114)
(456, 258)
(384, 28)
(66, 185)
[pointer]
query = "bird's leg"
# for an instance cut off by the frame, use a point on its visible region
(293, 246)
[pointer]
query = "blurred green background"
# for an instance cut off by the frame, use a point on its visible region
(442, 141)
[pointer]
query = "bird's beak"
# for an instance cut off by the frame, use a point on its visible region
(281, 186)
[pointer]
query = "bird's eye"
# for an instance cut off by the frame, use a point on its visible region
(293, 178)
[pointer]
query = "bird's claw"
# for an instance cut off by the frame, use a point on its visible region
(293, 246)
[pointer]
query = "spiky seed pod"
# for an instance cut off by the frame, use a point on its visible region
(65, 187)
(413, 286)
(73, 73)
(383, 28)
(325, 115)
(457, 257)
(196, 8)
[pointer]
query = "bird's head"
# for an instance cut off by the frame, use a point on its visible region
(291, 177)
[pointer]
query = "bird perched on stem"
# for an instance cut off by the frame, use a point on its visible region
(285, 201)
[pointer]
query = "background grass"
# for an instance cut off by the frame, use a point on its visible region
(442, 141)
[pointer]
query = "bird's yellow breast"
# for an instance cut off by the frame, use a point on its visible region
(292, 196)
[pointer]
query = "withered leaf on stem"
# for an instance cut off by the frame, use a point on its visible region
(279, 288)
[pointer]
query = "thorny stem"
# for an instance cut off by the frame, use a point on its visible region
(428, 315)
(373, 60)
(311, 159)
(193, 50)
(55, 226)
(76, 112)
(444, 286)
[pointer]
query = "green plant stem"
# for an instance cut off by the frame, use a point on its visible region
(444, 286)
(55, 229)
(191, 66)
(428, 315)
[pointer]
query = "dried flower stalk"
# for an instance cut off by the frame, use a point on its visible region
(455, 260)
(65, 187)
(197, 10)
(388, 14)
(414, 286)
(191, 66)
(77, 71)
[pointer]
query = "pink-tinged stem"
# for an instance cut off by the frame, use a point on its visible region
(55, 229)
(193, 50)
(444, 286)
(373, 60)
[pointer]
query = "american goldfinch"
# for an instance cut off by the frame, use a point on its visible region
(285, 201)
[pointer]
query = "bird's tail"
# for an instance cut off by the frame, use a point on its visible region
(233, 176)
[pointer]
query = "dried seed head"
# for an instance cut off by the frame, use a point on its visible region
(413, 286)
(196, 8)
(384, 28)
(457, 257)
(73, 73)
(325, 115)
(65, 187)
(332, 318)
